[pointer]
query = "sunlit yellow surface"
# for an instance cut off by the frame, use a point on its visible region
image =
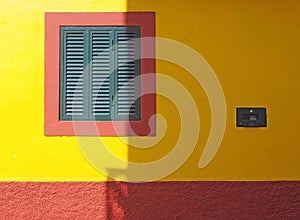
(253, 47)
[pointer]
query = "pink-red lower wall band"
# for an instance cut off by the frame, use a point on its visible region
(156, 200)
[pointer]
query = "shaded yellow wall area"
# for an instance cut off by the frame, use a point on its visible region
(252, 46)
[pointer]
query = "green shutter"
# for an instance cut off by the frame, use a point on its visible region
(101, 68)
(98, 66)
(72, 80)
(127, 62)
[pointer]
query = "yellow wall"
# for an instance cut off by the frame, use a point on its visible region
(253, 47)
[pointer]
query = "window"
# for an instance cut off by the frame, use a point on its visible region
(99, 72)
(92, 77)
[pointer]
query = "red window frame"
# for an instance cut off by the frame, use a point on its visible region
(52, 125)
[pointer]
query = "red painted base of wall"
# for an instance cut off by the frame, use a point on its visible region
(157, 200)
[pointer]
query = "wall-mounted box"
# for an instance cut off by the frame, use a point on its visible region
(251, 117)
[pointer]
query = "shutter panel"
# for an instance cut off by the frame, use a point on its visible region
(127, 68)
(100, 69)
(73, 74)
(97, 64)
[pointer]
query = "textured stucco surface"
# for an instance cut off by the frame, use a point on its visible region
(157, 200)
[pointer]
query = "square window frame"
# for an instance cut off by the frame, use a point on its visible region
(53, 126)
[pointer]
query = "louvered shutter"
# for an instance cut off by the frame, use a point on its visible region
(127, 104)
(101, 68)
(72, 79)
(98, 70)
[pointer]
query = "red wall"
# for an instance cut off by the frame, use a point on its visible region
(157, 200)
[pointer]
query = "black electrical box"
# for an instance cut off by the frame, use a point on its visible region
(251, 117)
